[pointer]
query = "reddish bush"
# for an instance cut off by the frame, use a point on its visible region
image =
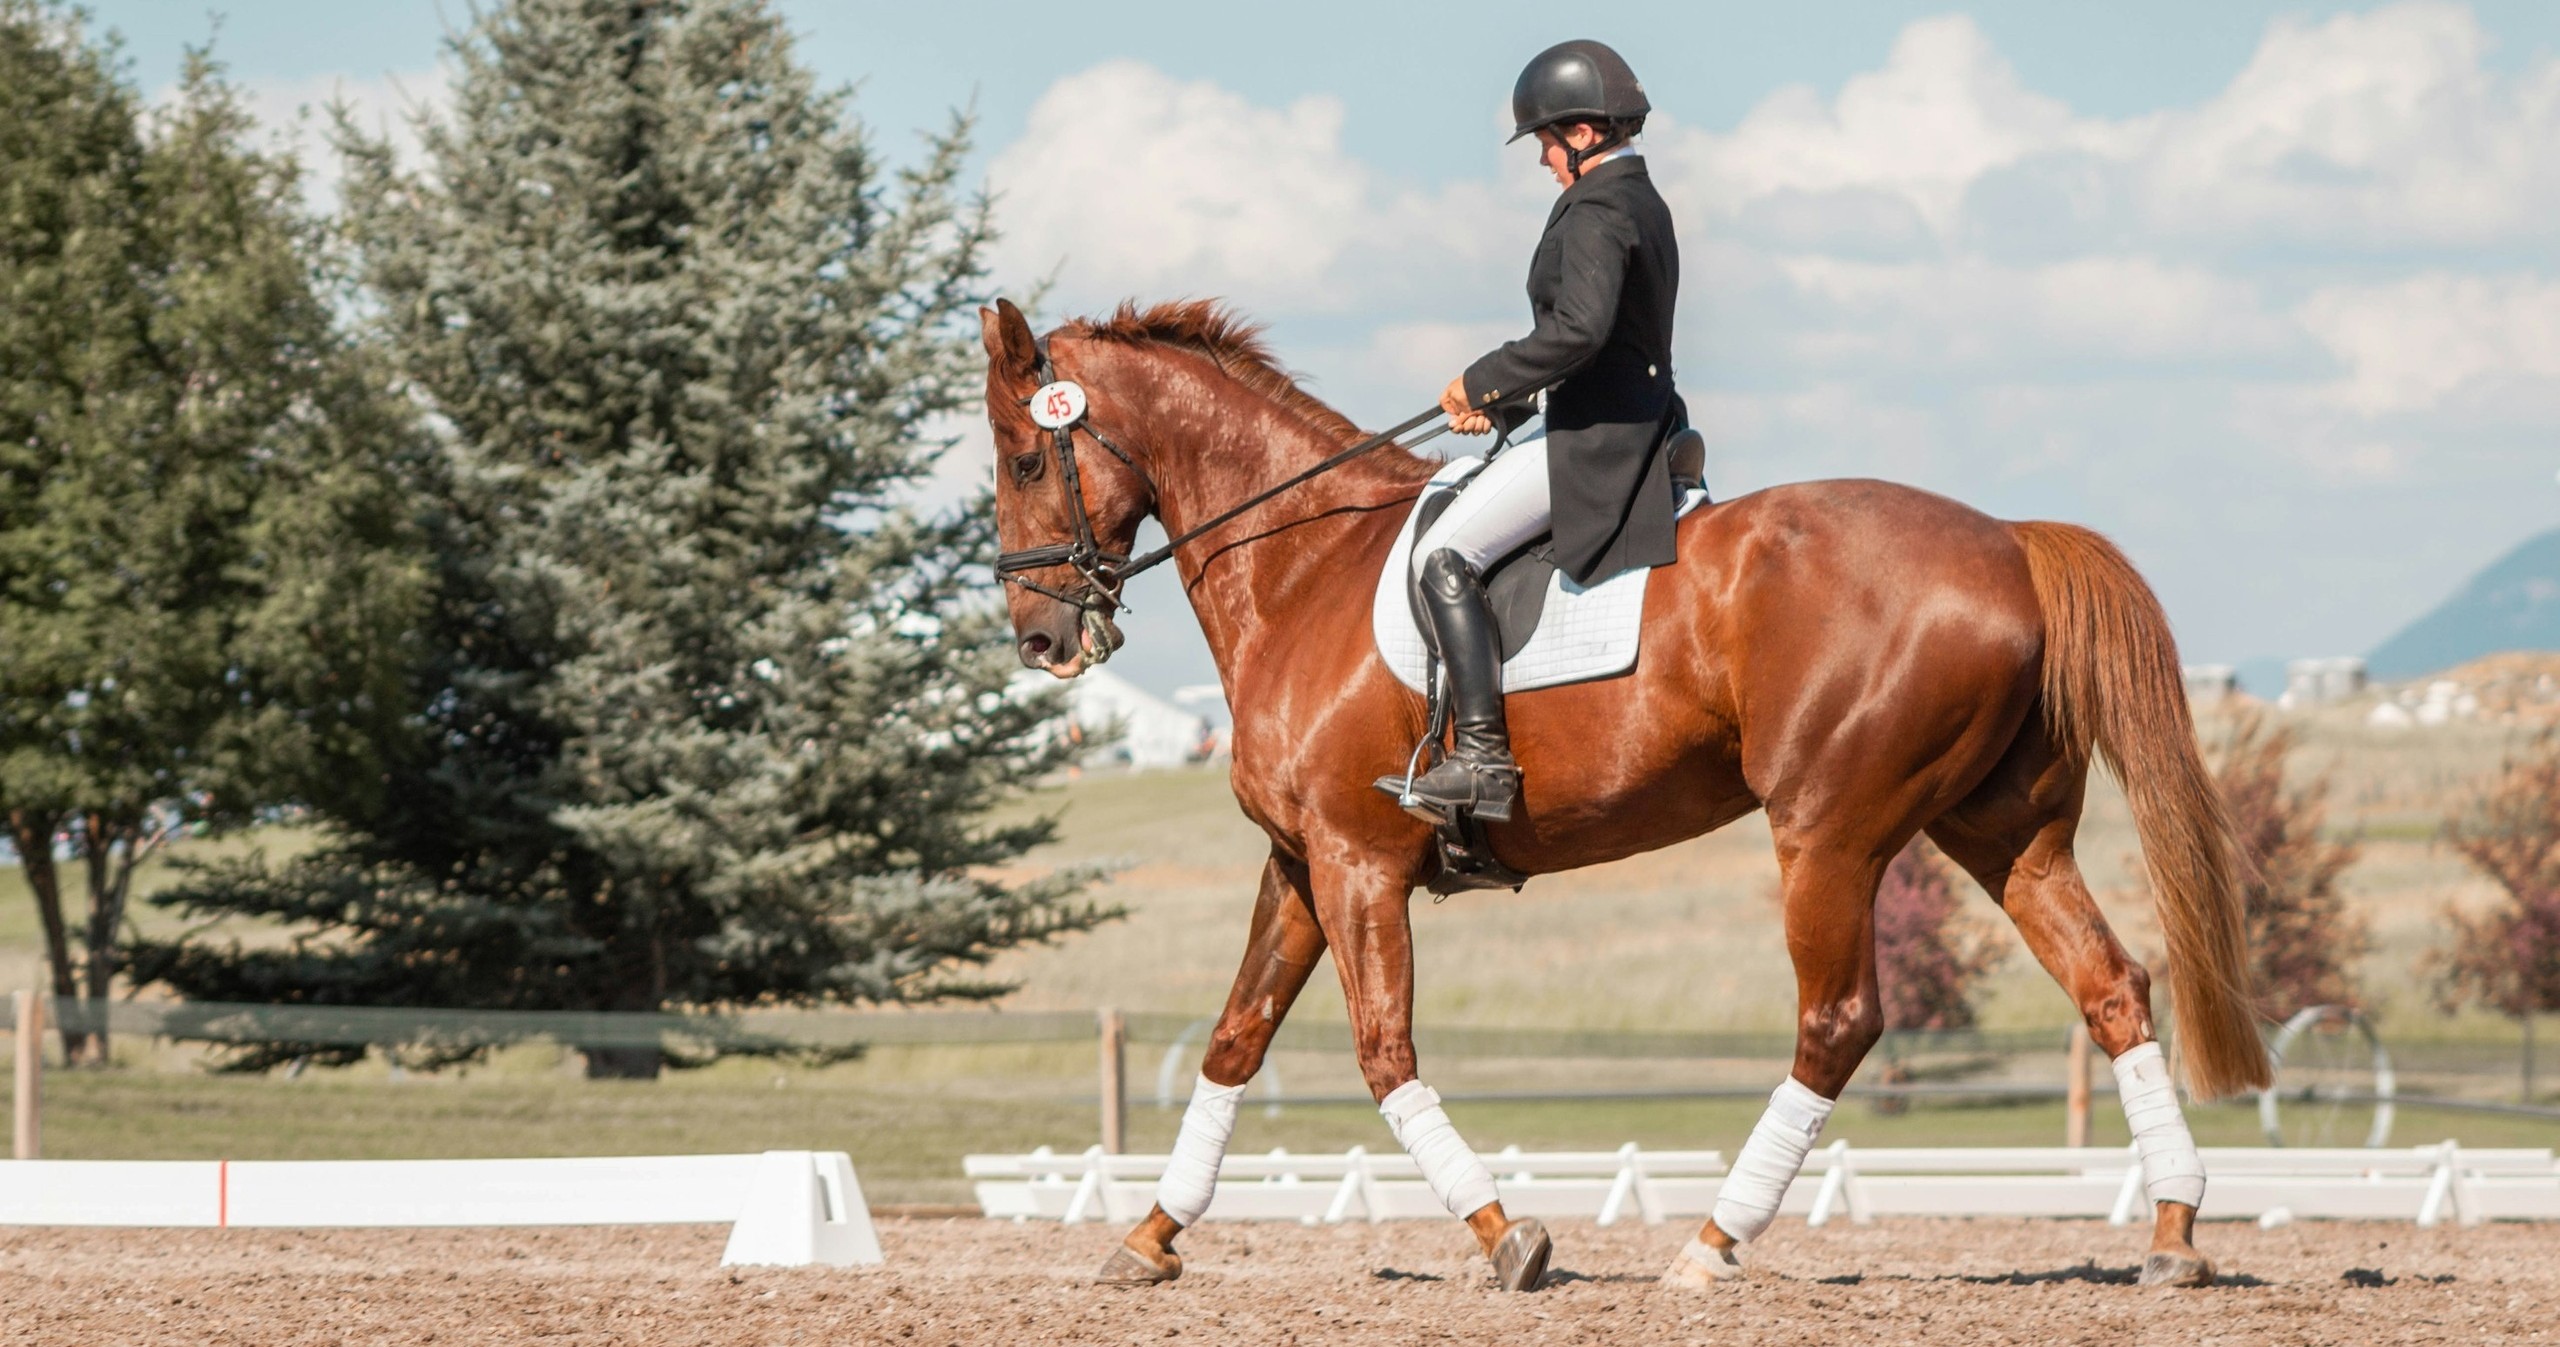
(2507, 959)
(2302, 936)
(1929, 955)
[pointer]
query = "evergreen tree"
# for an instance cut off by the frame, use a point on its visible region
(204, 564)
(705, 719)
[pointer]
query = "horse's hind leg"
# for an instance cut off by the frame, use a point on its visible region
(2014, 835)
(1279, 954)
(1828, 886)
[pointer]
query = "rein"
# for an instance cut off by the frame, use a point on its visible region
(1059, 407)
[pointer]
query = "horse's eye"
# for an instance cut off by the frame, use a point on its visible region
(1026, 467)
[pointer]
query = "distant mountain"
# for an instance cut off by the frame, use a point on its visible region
(2512, 605)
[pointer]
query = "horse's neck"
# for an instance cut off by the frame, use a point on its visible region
(1289, 561)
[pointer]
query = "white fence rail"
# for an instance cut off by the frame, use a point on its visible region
(2425, 1184)
(783, 1207)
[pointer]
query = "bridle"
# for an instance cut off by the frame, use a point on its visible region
(1059, 407)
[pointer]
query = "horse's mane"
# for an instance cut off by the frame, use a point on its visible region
(1234, 343)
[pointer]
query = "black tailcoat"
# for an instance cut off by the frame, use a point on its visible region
(1601, 286)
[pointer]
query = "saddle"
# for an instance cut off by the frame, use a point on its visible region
(1552, 631)
(1517, 583)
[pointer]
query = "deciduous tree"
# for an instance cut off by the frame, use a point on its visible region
(205, 560)
(2303, 938)
(2507, 959)
(1930, 956)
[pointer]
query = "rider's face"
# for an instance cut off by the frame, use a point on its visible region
(1553, 142)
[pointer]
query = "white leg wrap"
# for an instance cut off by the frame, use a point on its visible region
(2172, 1171)
(1748, 1200)
(1191, 1172)
(1448, 1163)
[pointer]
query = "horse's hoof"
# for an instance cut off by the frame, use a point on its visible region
(1701, 1265)
(1128, 1267)
(1520, 1257)
(2162, 1268)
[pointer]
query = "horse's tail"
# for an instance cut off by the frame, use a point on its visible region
(2111, 679)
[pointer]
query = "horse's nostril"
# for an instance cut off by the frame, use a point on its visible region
(1035, 647)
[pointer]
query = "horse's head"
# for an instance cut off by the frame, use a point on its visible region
(1066, 515)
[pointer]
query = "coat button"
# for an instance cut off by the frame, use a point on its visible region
(1651, 372)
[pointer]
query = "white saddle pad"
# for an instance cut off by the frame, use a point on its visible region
(1584, 633)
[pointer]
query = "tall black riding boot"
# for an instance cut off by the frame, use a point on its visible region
(1478, 776)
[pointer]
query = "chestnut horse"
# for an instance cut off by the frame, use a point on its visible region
(1862, 660)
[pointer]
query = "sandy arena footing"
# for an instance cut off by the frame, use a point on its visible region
(971, 1281)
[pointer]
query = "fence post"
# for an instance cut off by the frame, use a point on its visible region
(2075, 1123)
(1115, 1081)
(27, 1135)
(2527, 1097)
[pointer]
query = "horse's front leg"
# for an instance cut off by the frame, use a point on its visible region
(1829, 890)
(1278, 955)
(1364, 910)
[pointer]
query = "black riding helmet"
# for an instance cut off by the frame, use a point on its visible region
(1575, 81)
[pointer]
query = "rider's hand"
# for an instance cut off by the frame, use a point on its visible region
(1464, 419)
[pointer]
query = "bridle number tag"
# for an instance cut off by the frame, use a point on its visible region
(1057, 405)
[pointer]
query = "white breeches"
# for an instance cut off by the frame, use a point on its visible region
(1506, 505)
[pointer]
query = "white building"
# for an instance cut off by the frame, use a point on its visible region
(2211, 684)
(2319, 682)
(1152, 731)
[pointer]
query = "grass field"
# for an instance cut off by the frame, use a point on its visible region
(1683, 939)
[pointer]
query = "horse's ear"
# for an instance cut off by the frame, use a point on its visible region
(1007, 335)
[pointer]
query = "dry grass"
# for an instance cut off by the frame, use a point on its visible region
(1687, 937)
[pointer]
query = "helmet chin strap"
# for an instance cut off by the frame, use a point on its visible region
(1573, 158)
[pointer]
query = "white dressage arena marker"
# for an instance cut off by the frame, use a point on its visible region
(803, 1209)
(784, 1208)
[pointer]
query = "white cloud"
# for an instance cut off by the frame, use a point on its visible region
(2368, 129)
(1131, 182)
(2414, 344)
(1944, 110)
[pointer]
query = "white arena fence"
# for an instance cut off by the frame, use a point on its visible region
(783, 1208)
(2424, 1184)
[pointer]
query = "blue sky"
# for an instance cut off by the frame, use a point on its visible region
(2267, 292)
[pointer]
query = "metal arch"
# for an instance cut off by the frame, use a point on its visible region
(2385, 1083)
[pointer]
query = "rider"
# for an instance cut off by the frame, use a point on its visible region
(1601, 286)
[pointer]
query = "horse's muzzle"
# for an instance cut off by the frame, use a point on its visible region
(1067, 647)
